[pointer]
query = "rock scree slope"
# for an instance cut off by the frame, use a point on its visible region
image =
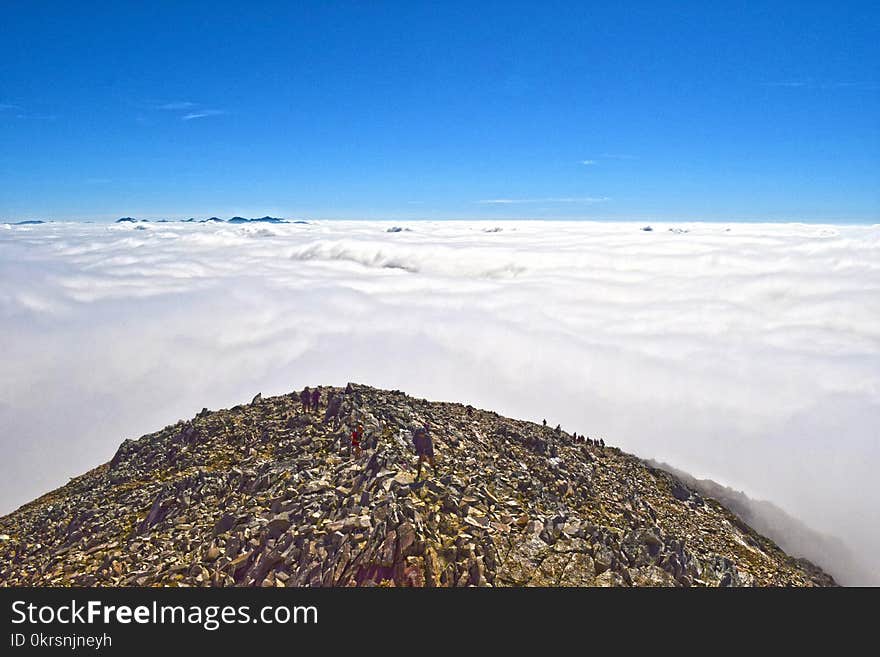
(264, 494)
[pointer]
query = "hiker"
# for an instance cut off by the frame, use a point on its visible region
(306, 398)
(356, 435)
(334, 405)
(424, 448)
(545, 423)
(602, 443)
(316, 399)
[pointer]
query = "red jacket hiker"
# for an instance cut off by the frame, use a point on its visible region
(356, 435)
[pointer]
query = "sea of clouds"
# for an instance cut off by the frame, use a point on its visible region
(745, 353)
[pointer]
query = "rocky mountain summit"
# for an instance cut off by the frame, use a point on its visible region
(265, 494)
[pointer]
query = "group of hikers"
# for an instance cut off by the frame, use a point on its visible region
(421, 435)
(310, 399)
(421, 439)
(579, 438)
(424, 445)
(590, 441)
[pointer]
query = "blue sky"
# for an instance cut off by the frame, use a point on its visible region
(753, 111)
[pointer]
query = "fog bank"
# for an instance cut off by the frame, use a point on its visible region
(744, 353)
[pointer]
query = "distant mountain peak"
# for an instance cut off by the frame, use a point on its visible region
(266, 219)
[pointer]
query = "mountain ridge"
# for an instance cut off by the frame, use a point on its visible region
(265, 494)
(792, 535)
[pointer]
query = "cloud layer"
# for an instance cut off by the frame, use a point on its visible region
(746, 353)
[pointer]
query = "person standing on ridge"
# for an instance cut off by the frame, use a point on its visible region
(424, 448)
(356, 435)
(306, 398)
(316, 399)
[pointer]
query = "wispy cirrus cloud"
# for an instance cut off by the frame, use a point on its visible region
(201, 114)
(187, 110)
(812, 84)
(550, 199)
(177, 105)
(618, 156)
(37, 117)
(23, 113)
(791, 84)
(606, 156)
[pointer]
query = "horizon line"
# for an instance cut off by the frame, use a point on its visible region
(293, 219)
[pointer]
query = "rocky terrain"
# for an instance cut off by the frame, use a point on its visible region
(264, 494)
(793, 536)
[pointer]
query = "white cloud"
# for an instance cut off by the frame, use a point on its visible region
(793, 84)
(588, 162)
(749, 355)
(810, 84)
(37, 117)
(177, 105)
(552, 199)
(200, 114)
